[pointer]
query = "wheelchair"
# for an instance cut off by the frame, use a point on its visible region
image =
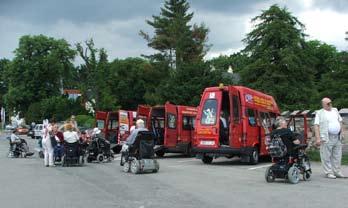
(139, 157)
(288, 165)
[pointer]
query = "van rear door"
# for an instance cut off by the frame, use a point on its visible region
(171, 122)
(143, 113)
(235, 136)
(123, 126)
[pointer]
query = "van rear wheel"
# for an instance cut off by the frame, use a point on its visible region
(207, 159)
(254, 156)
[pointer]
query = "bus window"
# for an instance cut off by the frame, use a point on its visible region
(235, 102)
(171, 121)
(100, 124)
(251, 117)
(209, 112)
(188, 122)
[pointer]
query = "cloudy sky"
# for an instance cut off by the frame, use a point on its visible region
(115, 24)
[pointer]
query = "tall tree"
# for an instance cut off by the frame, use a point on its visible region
(334, 83)
(4, 64)
(94, 74)
(181, 46)
(39, 70)
(176, 40)
(278, 65)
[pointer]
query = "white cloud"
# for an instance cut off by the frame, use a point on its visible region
(327, 26)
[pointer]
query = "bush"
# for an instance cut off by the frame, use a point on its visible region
(85, 121)
(59, 108)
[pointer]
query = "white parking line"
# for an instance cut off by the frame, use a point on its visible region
(261, 166)
(189, 160)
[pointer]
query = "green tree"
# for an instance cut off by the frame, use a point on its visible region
(94, 76)
(334, 83)
(4, 64)
(177, 41)
(277, 59)
(39, 70)
(181, 47)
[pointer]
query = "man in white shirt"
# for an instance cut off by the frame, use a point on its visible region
(328, 127)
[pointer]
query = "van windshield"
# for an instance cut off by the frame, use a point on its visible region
(209, 112)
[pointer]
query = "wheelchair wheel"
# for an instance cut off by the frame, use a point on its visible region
(135, 166)
(126, 167)
(100, 158)
(294, 175)
(269, 175)
(307, 176)
(123, 160)
(81, 160)
(160, 153)
(63, 161)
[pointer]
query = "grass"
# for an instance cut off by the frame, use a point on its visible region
(314, 155)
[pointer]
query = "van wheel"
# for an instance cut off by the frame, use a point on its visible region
(207, 159)
(254, 156)
(160, 153)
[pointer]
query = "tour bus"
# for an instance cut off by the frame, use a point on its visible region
(115, 126)
(233, 121)
(172, 126)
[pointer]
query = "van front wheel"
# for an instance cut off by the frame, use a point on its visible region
(254, 156)
(207, 159)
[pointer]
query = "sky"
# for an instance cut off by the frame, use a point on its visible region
(115, 24)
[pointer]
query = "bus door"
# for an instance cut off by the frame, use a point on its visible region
(252, 128)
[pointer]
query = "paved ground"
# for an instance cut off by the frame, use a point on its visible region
(181, 182)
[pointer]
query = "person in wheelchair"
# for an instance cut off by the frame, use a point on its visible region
(72, 148)
(18, 145)
(140, 126)
(138, 153)
(288, 137)
(288, 155)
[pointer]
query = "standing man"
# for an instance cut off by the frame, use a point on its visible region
(328, 127)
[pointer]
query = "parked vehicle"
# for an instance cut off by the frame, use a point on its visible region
(38, 131)
(248, 115)
(172, 126)
(115, 126)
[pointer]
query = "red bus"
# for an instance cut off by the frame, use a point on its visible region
(172, 126)
(232, 121)
(115, 126)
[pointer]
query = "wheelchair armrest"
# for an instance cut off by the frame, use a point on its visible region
(300, 146)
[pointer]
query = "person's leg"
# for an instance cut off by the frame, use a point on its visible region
(337, 157)
(46, 156)
(325, 155)
(50, 156)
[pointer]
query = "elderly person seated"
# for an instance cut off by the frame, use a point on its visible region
(70, 136)
(288, 137)
(131, 138)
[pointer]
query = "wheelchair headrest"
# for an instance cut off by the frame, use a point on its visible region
(145, 135)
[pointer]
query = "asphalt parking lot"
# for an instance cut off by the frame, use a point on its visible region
(181, 182)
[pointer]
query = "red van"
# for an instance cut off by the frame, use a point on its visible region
(115, 126)
(172, 126)
(232, 121)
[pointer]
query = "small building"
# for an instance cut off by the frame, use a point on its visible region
(72, 94)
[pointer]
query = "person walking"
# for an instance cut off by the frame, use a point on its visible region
(328, 128)
(46, 144)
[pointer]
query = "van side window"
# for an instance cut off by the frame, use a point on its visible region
(209, 112)
(251, 117)
(265, 119)
(171, 121)
(235, 103)
(100, 124)
(188, 122)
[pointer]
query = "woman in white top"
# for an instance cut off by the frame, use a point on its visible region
(70, 136)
